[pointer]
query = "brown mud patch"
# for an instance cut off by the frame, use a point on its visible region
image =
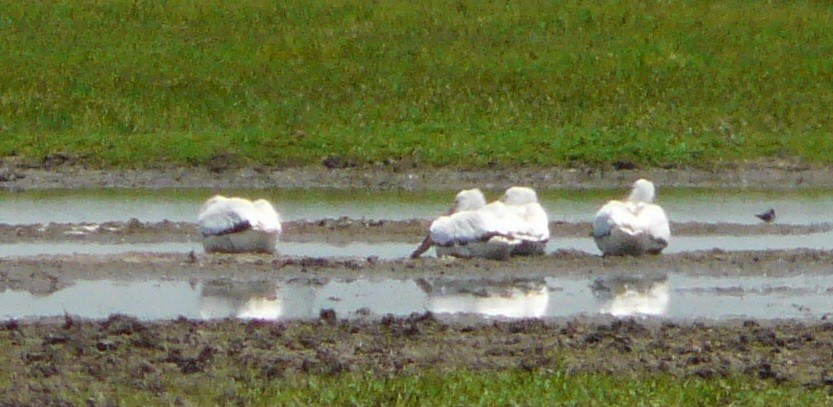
(45, 274)
(46, 359)
(340, 231)
(68, 174)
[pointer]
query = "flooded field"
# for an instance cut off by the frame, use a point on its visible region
(386, 226)
(116, 281)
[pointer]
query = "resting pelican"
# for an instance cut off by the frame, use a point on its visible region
(515, 224)
(237, 225)
(466, 200)
(633, 226)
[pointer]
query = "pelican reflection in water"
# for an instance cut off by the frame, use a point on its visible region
(514, 299)
(247, 300)
(623, 296)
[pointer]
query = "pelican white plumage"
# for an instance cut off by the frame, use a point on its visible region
(237, 225)
(634, 226)
(466, 200)
(515, 224)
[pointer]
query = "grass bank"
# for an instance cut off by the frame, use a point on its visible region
(531, 388)
(456, 388)
(657, 83)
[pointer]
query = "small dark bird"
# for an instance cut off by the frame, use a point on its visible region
(768, 216)
(192, 258)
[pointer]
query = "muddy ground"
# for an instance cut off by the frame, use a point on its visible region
(67, 172)
(339, 231)
(124, 352)
(46, 274)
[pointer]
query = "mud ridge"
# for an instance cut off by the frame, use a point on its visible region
(46, 274)
(19, 175)
(340, 231)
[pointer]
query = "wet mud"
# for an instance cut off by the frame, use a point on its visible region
(45, 274)
(17, 174)
(121, 352)
(342, 231)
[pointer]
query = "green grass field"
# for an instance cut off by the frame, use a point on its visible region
(460, 388)
(466, 388)
(463, 84)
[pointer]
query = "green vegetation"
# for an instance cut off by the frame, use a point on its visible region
(469, 83)
(525, 388)
(456, 388)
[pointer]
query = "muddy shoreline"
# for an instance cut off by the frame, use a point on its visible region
(16, 175)
(124, 352)
(341, 231)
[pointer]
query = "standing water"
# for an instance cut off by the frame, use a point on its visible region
(673, 296)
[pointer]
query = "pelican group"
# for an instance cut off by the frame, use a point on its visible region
(515, 224)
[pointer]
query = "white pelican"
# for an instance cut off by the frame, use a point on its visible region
(466, 200)
(634, 226)
(525, 300)
(516, 224)
(237, 225)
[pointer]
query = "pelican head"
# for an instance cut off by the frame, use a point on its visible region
(519, 196)
(468, 200)
(643, 191)
(211, 201)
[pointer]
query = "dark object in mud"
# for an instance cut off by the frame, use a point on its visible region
(338, 162)
(623, 165)
(328, 315)
(768, 216)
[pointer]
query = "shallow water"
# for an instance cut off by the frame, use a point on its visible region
(676, 297)
(682, 205)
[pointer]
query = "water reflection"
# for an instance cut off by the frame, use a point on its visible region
(630, 295)
(677, 297)
(249, 300)
(514, 299)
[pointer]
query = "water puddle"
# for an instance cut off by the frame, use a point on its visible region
(799, 207)
(674, 296)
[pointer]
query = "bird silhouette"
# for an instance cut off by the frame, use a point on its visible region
(768, 216)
